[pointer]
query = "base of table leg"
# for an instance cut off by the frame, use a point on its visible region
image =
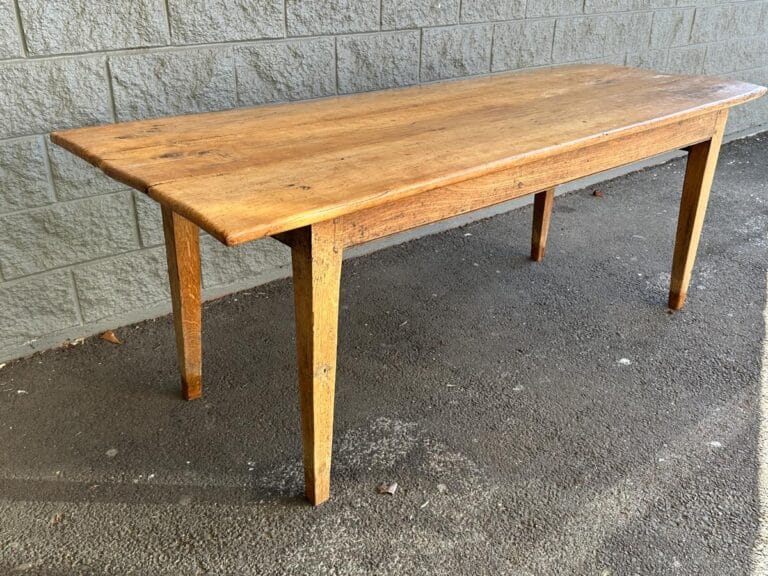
(192, 388)
(542, 214)
(677, 300)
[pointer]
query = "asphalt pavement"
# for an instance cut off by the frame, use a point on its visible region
(538, 418)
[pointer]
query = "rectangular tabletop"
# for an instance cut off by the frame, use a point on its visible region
(248, 173)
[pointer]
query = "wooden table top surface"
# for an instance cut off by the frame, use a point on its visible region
(248, 173)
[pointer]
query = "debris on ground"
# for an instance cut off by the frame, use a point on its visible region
(625, 361)
(387, 488)
(109, 336)
(598, 193)
(111, 453)
(57, 518)
(21, 392)
(73, 343)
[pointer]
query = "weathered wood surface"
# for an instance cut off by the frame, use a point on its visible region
(182, 248)
(699, 173)
(249, 173)
(542, 214)
(316, 257)
(526, 178)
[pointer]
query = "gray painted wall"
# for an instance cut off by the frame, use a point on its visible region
(80, 253)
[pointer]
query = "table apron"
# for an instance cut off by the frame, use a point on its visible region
(533, 176)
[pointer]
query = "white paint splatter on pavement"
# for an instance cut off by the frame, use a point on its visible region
(760, 548)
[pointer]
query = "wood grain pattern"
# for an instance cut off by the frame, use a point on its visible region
(699, 173)
(535, 175)
(245, 174)
(182, 247)
(316, 258)
(542, 213)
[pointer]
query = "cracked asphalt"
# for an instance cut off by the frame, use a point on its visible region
(547, 418)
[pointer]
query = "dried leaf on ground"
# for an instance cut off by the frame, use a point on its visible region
(109, 336)
(598, 193)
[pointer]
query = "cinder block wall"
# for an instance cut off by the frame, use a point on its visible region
(80, 253)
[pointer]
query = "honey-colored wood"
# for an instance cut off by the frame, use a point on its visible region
(316, 257)
(286, 238)
(323, 175)
(182, 246)
(245, 174)
(535, 175)
(542, 213)
(699, 172)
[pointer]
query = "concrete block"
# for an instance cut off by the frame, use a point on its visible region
(66, 26)
(486, 10)
(729, 21)
(752, 114)
(200, 21)
(150, 220)
(74, 178)
(671, 27)
(417, 13)
(36, 306)
(10, 43)
(40, 96)
(23, 175)
(522, 43)
(628, 32)
(286, 70)
(654, 59)
(739, 54)
(456, 51)
(223, 265)
(686, 60)
(121, 284)
(168, 83)
(579, 38)
(536, 9)
(376, 61)
(66, 233)
(596, 36)
(331, 16)
(592, 6)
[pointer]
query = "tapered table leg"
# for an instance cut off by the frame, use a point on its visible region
(316, 257)
(182, 247)
(542, 213)
(699, 172)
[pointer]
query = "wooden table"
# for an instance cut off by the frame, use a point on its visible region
(327, 174)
